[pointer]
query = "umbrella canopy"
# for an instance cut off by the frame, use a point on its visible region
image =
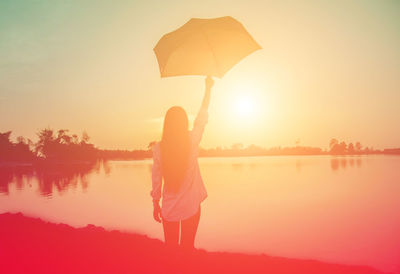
(204, 47)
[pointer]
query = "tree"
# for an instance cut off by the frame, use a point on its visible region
(22, 151)
(20, 139)
(342, 147)
(75, 139)
(10, 151)
(6, 146)
(237, 146)
(358, 147)
(350, 148)
(44, 144)
(337, 148)
(64, 147)
(63, 137)
(85, 137)
(333, 143)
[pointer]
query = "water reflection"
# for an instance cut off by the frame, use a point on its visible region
(343, 162)
(49, 177)
(298, 165)
(332, 200)
(237, 166)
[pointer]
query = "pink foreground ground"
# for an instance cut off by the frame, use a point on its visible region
(29, 245)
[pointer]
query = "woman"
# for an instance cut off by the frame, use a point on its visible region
(175, 163)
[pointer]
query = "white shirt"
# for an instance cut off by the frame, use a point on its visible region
(185, 203)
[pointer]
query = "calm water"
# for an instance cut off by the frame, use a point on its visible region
(343, 209)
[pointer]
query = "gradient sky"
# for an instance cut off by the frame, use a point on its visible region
(327, 69)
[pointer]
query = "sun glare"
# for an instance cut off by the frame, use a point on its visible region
(244, 106)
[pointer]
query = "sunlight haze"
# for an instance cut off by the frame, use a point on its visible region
(327, 69)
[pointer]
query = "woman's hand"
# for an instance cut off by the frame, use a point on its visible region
(209, 83)
(157, 211)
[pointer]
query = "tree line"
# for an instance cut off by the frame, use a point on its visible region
(56, 146)
(62, 146)
(341, 148)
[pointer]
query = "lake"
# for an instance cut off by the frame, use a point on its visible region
(335, 209)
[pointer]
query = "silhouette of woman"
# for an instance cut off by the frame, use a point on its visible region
(175, 163)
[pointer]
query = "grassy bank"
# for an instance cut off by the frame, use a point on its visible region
(29, 245)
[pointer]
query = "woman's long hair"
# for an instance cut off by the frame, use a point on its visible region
(175, 148)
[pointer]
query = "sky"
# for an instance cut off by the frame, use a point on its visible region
(327, 69)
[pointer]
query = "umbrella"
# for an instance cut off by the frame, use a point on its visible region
(204, 47)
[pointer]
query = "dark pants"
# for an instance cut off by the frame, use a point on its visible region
(188, 229)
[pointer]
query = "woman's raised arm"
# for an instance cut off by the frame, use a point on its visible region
(206, 99)
(202, 116)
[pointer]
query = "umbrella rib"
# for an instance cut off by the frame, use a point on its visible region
(212, 50)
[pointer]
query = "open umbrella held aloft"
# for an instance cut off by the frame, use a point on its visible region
(204, 47)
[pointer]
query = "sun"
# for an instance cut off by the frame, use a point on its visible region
(245, 106)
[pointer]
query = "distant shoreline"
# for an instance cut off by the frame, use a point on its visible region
(44, 163)
(61, 147)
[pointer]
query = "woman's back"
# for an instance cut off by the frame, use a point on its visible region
(175, 163)
(184, 203)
